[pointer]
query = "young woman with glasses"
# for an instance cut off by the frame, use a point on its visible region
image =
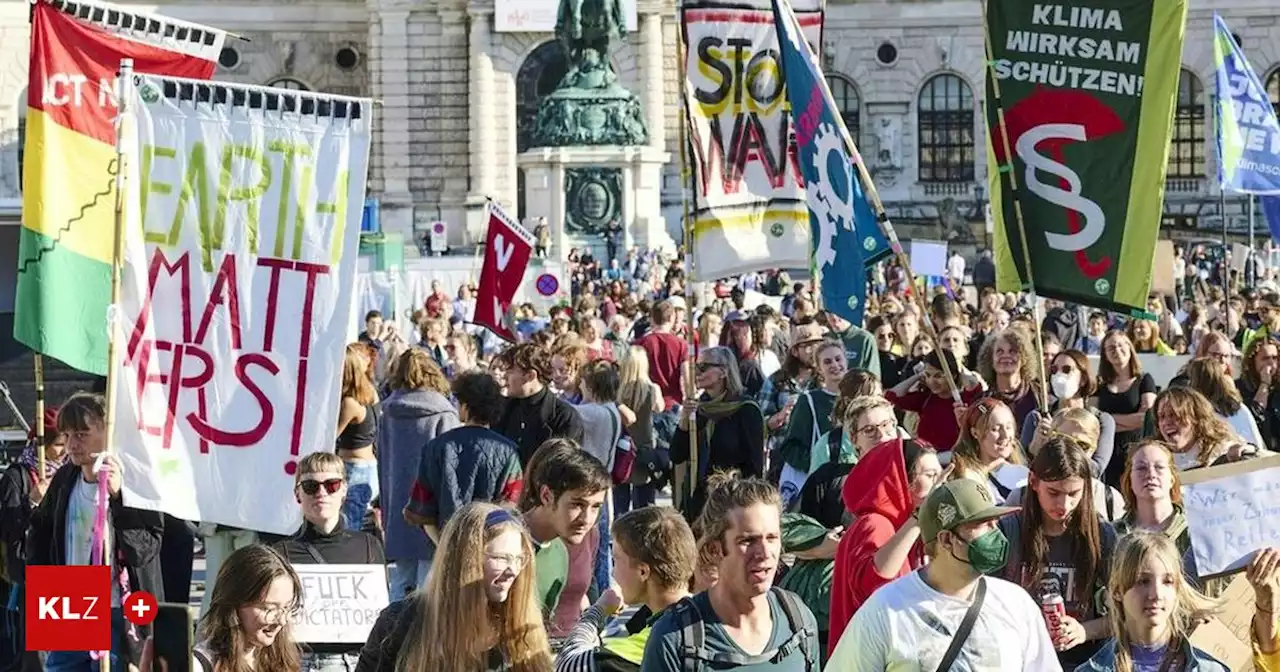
(247, 626)
(479, 611)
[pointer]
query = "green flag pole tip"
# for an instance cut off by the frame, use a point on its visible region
(1005, 167)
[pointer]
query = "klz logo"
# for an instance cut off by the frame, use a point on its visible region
(1040, 127)
(68, 608)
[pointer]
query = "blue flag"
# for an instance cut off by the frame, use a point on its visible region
(1247, 131)
(844, 228)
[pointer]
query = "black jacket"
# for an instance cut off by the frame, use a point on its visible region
(135, 542)
(532, 420)
(390, 633)
(15, 515)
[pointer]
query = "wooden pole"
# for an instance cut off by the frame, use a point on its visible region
(38, 365)
(1011, 175)
(687, 368)
(117, 262)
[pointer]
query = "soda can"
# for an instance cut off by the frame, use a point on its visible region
(1054, 609)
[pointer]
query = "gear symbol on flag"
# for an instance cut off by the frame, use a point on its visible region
(828, 207)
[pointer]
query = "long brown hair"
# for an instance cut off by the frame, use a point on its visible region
(1058, 460)
(243, 580)
(966, 455)
(1209, 377)
(1249, 363)
(1126, 480)
(416, 370)
(1107, 372)
(356, 383)
(1211, 431)
(454, 624)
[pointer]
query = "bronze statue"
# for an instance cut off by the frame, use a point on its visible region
(585, 28)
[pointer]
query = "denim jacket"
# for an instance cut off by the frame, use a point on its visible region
(1197, 661)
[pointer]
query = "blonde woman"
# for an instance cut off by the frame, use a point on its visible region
(1009, 364)
(643, 397)
(246, 627)
(1152, 492)
(988, 451)
(479, 611)
(1153, 611)
(357, 429)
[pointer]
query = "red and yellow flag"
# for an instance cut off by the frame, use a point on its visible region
(64, 254)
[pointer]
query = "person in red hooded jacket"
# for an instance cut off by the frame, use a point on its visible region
(882, 492)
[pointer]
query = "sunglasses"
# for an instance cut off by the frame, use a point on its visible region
(313, 487)
(704, 367)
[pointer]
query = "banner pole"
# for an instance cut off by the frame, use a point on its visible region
(687, 367)
(1007, 170)
(882, 219)
(38, 365)
(1252, 215)
(114, 317)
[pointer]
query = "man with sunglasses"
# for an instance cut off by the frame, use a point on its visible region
(320, 487)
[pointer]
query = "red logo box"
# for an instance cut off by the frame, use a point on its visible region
(68, 608)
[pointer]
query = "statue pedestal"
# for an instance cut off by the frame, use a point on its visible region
(580, 190)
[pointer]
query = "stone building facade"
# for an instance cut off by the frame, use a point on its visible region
(457, 98)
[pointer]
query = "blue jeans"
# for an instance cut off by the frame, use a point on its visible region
(407, 576)
(362, 487)
(329, 662)
(80, 661)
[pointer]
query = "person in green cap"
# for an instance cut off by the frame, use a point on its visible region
(950, 611)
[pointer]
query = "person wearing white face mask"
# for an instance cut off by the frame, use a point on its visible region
(1072, 386)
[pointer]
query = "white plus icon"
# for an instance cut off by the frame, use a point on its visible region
(141, 609)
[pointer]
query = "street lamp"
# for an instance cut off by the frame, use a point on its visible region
(979, 195)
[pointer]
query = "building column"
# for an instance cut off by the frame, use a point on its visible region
(481, 102)
(389, 41)
(651, 39)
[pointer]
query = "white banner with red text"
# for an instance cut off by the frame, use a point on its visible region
(238, 281)
(507, 249)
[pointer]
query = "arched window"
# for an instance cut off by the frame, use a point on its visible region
(1186, 145)
(945, 121)
(22, 134)
(1272, 85)
(539, 75)
(849, 103)
(289, 83)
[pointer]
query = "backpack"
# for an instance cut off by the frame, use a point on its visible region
(693, 652)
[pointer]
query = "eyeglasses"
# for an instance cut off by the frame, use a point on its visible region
(505, 561)
(276, 613)
(330, 486)
(704, 367)
(870, 431)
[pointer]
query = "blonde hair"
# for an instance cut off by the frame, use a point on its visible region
(633, 374)
(1085, 420)
(1190, 607)
(727, 491)
(319, 463)
(355, 378)
(454, 623)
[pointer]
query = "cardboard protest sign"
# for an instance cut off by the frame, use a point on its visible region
(340, 603)
(1228, 637)
(1231, 512)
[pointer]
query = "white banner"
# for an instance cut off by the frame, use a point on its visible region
(749, 206)
(233, 313)
(340, 603)
(539, 16)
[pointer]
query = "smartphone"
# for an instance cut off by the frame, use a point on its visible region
(173, 633)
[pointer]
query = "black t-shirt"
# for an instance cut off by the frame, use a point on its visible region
(1121, 403)
(340, 547)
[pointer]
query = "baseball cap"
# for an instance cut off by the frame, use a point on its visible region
(955, 503)
(807, 333)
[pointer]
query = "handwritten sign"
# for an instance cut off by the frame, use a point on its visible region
(1228, 637)
(340, 603)
(539, 16)
(237, 290)
(1231, 512)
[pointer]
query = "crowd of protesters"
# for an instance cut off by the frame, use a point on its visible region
(953, 485)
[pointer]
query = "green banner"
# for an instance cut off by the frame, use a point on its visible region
(1080, 106)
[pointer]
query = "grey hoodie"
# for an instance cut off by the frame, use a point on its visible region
(409, 419)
